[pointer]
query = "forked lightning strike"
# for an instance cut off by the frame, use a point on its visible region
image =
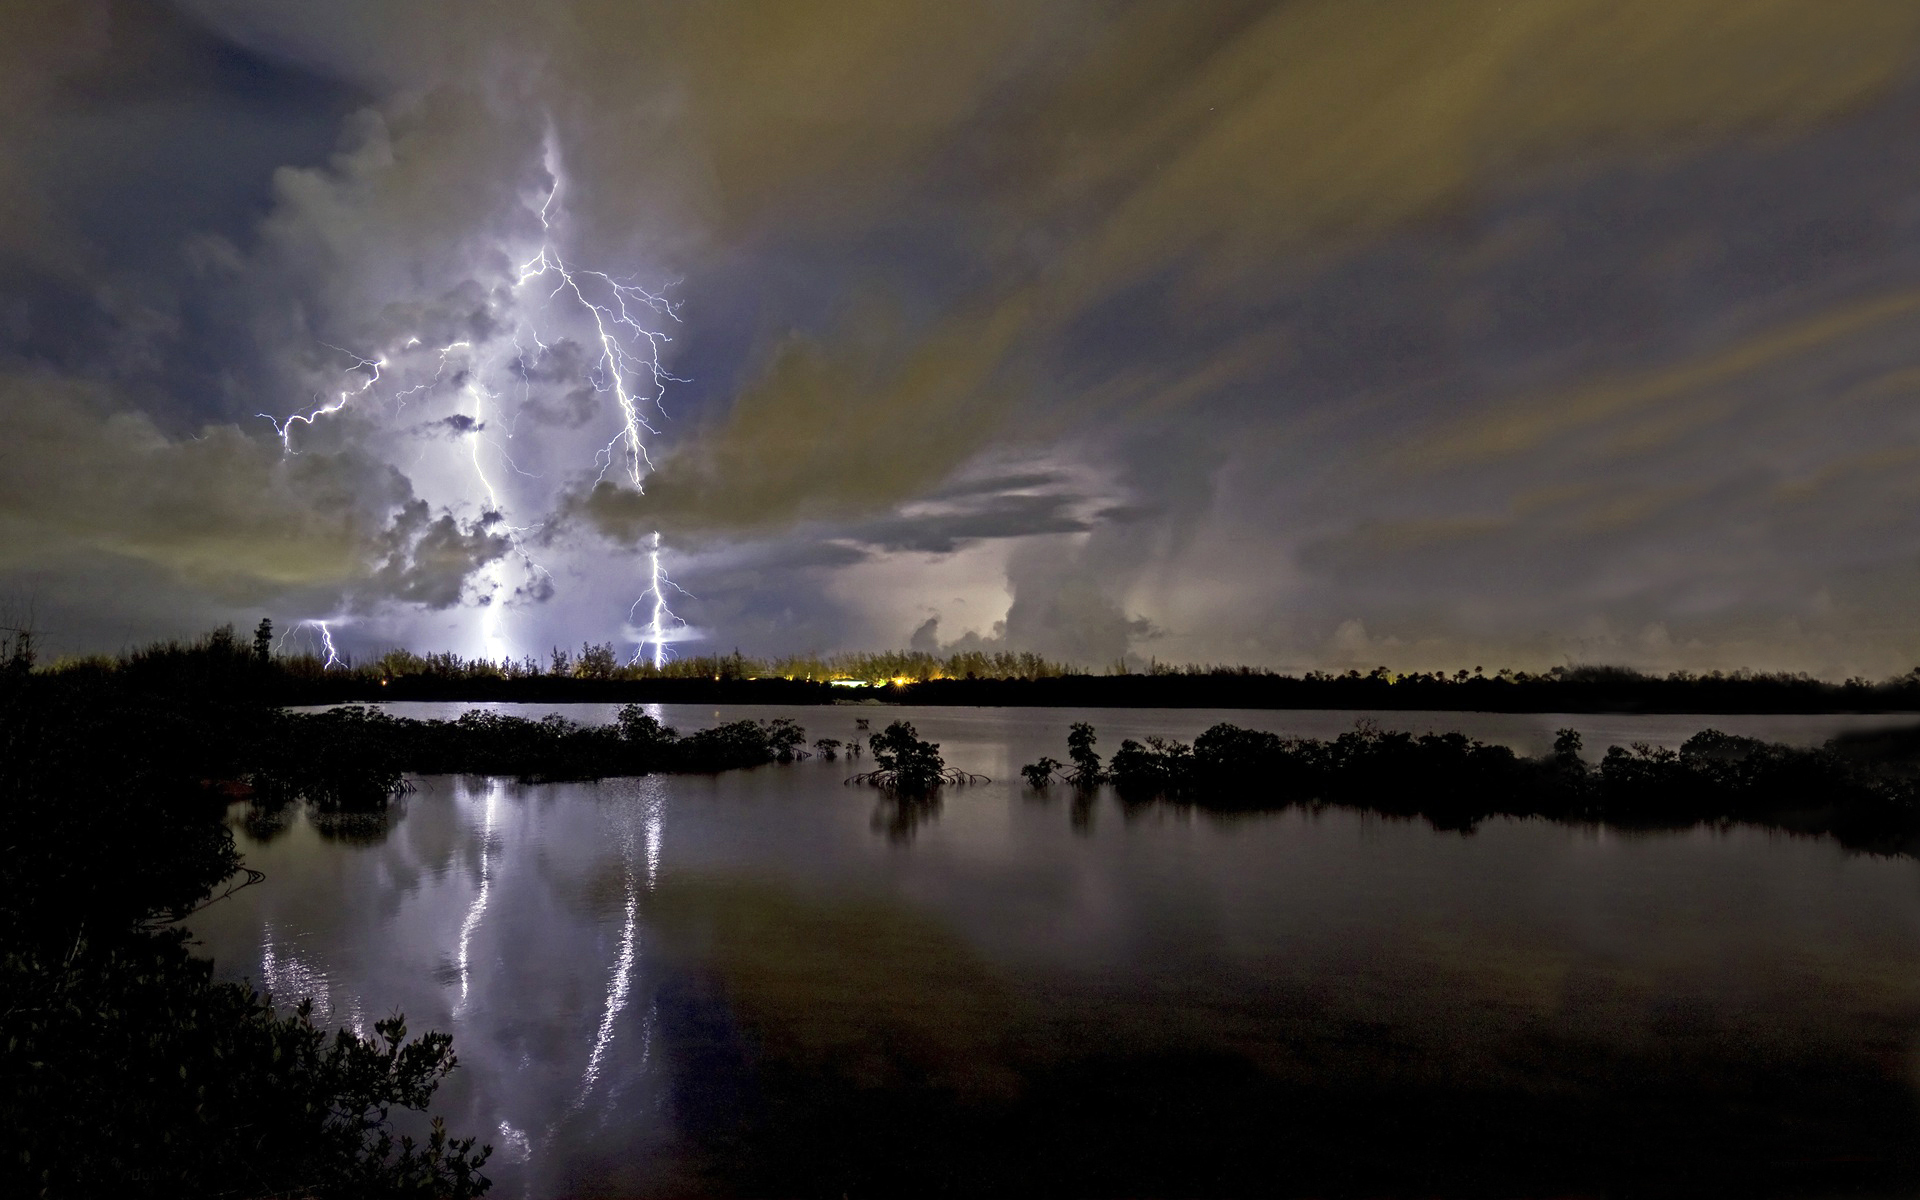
(615, 364)
(326, 641)
(657, 627)
(285, 428)
(628, 367)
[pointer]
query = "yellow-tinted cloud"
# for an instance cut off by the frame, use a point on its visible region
(818, 436)
(1516, 427)
(222, 510)
(1211, 146)
(1170, 137)
(1331, 116)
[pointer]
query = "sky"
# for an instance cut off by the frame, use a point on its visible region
(1315, 334)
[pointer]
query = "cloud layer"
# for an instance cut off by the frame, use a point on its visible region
(1304, 333)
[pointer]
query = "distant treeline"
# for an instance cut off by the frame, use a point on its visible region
(595, 673)
(1861, 790)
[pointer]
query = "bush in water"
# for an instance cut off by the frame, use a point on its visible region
(1455, 782)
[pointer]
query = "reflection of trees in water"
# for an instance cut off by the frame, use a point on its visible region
(357, 828)
(900, 816)
(1084, 794)
(265, 822)
(269, 817)
(1080, 813)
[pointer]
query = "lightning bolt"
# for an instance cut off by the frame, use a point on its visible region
(326, 640)
(631, 354)
(285, 428)
(620, 319)
(665, 622)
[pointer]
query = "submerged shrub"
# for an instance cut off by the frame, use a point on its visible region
(907, 766)
(911, 765)
(1040, 774)
(1086, 764)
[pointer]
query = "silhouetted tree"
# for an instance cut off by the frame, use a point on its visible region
(1040, 774)
(596, 662)
(1086, 764)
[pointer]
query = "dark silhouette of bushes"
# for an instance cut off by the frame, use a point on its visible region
(353, 758)
(127, 1070)
(907, 766)
(220, 661)
(1040, 774)
(1455, 782)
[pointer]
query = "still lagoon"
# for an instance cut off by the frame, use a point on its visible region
(769, 982)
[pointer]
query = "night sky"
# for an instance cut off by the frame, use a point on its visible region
(1324, 333)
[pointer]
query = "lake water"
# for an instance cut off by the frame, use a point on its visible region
(767, 982)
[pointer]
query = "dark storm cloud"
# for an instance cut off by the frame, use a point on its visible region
(995, 485)
(1000, 516)
(428, 560)
(1431, 329)
(994, 507)
(459, 424)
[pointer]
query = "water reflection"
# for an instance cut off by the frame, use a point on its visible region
(1080, 811)
(791, 1004)
(479, 906)
(900, 817)
(620, 981)
(287, 977)
(265, 822)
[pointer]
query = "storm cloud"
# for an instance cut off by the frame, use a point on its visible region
(1307, 333)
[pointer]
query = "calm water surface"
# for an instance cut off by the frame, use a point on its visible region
(766, 981)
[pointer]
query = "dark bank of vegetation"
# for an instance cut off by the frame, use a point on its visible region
(1862, 791)
(354, 757)
(127, 1070)
(1569, 690)
(595, 673)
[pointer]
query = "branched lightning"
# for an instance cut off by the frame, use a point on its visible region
(664, 619)
(285, 428)
(326, 641)
(617, 362)
(632, 354)
(628, 367)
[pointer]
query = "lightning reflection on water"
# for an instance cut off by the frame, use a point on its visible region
(478, 908)
(640, 872)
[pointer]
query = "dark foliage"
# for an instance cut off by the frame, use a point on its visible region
(1000, 680)
(906, 766)
(1086, 763)
(127, 1070)
(1866, 801)
(1040, 774)
(1581, 689)
(354, 757)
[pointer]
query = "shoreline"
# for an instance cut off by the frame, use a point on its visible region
(1629, 696)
